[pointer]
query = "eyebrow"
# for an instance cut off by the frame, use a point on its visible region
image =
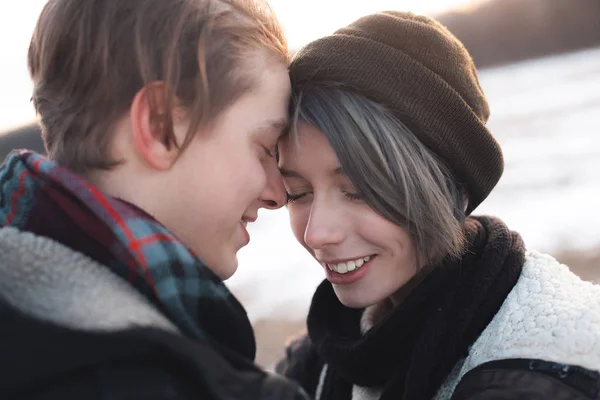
(338, 171)
(288, 173)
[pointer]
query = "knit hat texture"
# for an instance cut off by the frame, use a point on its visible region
(423, 74)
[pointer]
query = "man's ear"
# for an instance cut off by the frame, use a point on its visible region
(153, 137)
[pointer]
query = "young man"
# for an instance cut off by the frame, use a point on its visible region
(160, 120)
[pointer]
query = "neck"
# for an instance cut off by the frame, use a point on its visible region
(121, 184)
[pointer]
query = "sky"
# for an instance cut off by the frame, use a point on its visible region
(306, 20)
(303, 21)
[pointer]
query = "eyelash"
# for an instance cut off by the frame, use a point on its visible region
(292, 198)
(351, 196)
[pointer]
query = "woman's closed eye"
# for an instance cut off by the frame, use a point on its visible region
(352, 196)
(295, 197)
(298, 196)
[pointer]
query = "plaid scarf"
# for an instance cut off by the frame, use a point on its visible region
(39, 196)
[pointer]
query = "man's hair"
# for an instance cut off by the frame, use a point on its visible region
(89, 58)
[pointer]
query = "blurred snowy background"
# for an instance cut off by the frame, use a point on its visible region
(540, 67)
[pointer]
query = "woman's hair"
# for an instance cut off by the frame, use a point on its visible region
(89, 58)
(392, 171)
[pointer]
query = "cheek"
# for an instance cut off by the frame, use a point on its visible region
(252, 178)
(404, 244)
(403, 252)
(243, 176)
(392, 238)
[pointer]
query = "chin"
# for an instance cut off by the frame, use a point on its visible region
(227, 269)
(355, 300)
(228, 275)
(222, 260)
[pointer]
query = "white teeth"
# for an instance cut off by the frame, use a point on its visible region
(351, 266)
(244, 223)
(345, 267)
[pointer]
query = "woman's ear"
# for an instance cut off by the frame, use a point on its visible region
(152, 127)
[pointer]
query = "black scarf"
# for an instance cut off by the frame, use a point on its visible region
(411, 351)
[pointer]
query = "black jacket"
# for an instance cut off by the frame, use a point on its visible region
(42, 361)
(512, 379)
(70, 329)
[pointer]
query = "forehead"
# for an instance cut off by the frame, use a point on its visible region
(302, 138)
(268, 74)
(306, 149)
(263, 108)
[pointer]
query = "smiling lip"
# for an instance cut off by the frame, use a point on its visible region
(350, 277)
(249, 218)
(244, 223)
(246, 234)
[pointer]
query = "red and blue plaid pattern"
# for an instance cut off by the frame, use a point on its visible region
(39, 196)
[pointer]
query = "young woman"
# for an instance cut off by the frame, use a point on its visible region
(160, 120)
(388, 156)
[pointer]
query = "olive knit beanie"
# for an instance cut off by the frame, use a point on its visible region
(420, 71)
